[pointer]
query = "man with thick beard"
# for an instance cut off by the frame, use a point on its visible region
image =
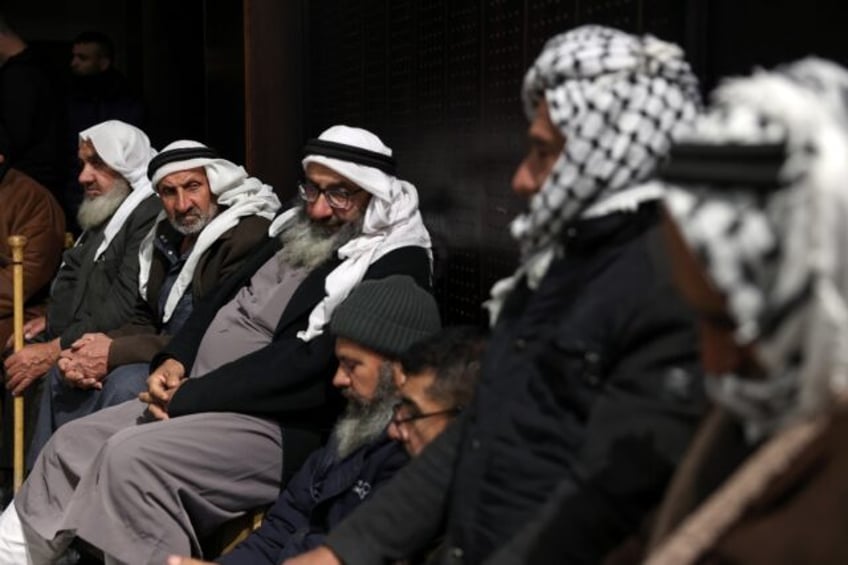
(213, 216)
(96, 286)
(373, 327)
(246, 380)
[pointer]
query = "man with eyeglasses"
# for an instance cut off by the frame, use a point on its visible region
(373, 327)
(436, 383)
(240, 396)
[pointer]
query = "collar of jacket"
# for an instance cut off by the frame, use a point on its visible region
(338, 475)
(588, 235)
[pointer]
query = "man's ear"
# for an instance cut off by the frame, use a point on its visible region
(399, 375)
(104, 63)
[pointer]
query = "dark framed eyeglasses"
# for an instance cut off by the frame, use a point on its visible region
(398, 418)
(338, 198)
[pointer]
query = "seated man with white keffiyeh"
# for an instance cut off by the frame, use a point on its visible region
(95, 288)
(242, 393)
(213, 216)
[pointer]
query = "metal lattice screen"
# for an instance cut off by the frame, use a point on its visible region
(439, 81)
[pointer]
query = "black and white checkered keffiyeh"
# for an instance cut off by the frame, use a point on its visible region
(619, 100)
(777, 254)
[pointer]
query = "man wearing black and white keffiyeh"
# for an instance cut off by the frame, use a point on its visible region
(589, 388)
(776, 255)
(759, 193)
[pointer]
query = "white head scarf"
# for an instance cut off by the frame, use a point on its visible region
(237, 194)
(126, 149)
(392, 220)
(619, 100)
(777, 255)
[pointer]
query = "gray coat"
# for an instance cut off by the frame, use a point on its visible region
(89, 296)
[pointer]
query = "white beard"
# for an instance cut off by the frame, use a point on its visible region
(363, 422)
(307, 244)
(95, 211)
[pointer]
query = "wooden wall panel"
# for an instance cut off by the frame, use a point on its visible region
(274, 33)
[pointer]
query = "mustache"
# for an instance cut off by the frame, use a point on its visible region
(193, 211)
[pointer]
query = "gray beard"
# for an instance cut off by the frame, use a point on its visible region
(362, 422)
(95, 211)
(197, 227)
(307, 244)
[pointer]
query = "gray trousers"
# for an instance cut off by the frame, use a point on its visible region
(140, 489)
(61, 403)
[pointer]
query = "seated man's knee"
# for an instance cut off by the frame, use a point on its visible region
(124, 383)
(123, 456)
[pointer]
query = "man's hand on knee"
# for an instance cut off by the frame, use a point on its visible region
(161, 385)
(89, 357)
(177, 560)
(74, 375)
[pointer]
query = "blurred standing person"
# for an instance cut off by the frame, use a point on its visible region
(29, 110)
(97, 92)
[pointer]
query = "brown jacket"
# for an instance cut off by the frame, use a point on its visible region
(139, 340)
(787, 503)
(28, 209)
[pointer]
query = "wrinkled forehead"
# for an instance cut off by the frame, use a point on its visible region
(178, 178)
(416, 387)
(87, 152)
(324, 175)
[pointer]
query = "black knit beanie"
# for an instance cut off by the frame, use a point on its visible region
(387, 315)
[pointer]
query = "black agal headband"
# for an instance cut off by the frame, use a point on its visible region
(179, 154)
(352, 154)
(755, 166)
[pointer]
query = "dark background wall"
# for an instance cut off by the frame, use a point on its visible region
(185, 58)
(438, 80)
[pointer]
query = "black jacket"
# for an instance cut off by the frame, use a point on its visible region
(98, 296)
(288, 380)
(588, 397)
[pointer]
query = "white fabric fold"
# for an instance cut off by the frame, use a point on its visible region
(238, 196)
